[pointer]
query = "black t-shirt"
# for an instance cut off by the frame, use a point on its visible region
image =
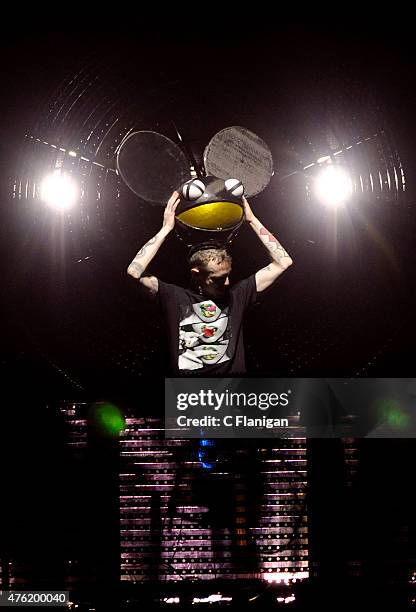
(206, 336)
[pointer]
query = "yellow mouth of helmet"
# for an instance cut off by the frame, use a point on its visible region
(213, 216)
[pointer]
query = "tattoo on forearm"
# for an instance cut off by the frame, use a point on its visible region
(136, 268)
(144, 248)
(272, 244)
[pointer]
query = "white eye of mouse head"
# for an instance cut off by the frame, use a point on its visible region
(193, 189)
(235, 187)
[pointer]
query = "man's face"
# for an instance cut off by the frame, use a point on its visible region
(214, 278)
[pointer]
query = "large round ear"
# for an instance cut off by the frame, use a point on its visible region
(237, 153)
(152, 166)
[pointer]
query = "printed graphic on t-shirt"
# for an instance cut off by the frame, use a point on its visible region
(203, 335)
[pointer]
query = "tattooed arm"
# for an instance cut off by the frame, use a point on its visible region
(149, 250)
(280, 259)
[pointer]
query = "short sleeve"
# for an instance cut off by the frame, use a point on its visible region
(245, 292)
(168, 294)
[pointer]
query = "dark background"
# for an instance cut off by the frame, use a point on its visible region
(75, 323)
(74, 326)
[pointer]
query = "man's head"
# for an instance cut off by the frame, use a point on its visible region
(210, 268)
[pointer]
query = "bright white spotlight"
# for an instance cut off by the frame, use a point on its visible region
(59, 191)
(333, 186)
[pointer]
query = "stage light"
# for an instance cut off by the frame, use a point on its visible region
(171, 600)
(279, 577)
(108, 418)
(211, 599)
(333, 186)
(206, 454)
(392, 414)
(286, 600)
(59, 191)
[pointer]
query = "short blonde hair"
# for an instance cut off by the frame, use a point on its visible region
(200, 259)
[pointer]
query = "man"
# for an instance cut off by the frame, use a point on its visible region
(205, 322)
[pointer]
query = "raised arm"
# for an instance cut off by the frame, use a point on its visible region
(139, 264)
(280, 259)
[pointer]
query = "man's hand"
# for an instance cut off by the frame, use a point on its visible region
(247, 211)
(169, 213)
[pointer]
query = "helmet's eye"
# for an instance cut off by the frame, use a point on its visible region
(193, 189)
(235, 187)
